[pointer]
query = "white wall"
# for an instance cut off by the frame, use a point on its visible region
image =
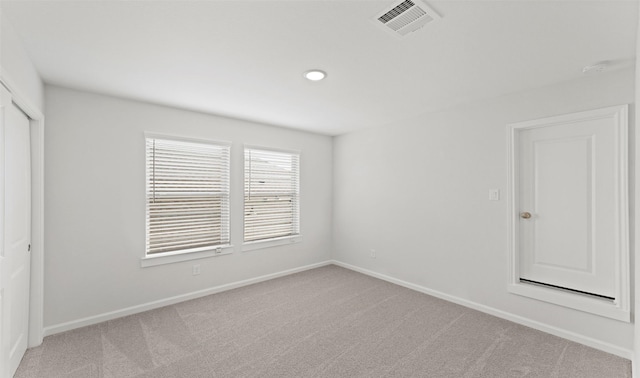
(95, 204)
(636, 210)
(16, 66)
(417, 193)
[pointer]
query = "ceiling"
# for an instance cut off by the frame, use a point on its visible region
(245, 59)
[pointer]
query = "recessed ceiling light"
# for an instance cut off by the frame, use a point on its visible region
(315, 75)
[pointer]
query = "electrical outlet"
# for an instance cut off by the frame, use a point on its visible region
(196, 270)
(372, 253)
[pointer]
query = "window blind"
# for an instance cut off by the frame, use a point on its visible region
(187, 195)
(271, 194)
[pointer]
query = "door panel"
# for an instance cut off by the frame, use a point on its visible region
(17, 234)
(562, 183)
(567, 184)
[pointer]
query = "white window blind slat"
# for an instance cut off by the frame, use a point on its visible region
(187, 195)
(271, 194)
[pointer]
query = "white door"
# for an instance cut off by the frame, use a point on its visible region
(15, 258)
(568, 194)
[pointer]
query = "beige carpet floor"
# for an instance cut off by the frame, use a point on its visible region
(325, 322)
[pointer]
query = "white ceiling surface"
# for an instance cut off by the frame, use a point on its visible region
(245, 59)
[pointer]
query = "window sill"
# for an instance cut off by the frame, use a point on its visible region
(260, 244)
(174, 257)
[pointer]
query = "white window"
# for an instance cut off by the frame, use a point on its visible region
(187, 196)
(271, 195)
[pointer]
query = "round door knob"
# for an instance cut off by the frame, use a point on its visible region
(525, 215)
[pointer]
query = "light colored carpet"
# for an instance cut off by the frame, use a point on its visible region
(326, 322)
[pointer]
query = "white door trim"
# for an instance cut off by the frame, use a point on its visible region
(620, 308)
(36, 308)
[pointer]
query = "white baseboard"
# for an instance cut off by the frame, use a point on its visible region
(597, 344)
(62, 327)
(588, 341)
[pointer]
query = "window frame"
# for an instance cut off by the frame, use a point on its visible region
(188, 253)
(281, 240)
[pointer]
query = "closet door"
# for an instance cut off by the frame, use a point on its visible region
(567, 220)
(15, 256)
(569, 210)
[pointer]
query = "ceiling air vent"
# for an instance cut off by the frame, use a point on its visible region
(405, 17)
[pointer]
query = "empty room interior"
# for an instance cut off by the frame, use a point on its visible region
(319, 188)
